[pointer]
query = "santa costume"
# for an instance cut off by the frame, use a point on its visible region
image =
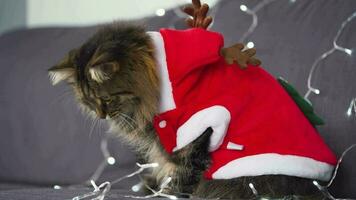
(257, 127)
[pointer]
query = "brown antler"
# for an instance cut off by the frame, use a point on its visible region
(232, 54)
(242, 58)
(198, 13)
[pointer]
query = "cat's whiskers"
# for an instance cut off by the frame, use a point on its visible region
(138, 127)
(113, 114)
(123, 116)
(93, 125)
(128, 117)
(124, 119)
(61, 97)
(127, 122)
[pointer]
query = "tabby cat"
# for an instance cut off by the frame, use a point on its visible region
(114, 77)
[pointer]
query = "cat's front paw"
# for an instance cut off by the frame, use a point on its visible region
(148, 182)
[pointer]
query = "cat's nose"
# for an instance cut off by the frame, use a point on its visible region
(100, 110)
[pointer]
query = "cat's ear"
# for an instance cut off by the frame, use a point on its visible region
(65, 70)
(60, 73)
(103, 72)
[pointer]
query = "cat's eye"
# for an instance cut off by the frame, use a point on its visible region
(106, 99)
(121, 93)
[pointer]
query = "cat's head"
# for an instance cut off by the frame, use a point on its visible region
(113, 73)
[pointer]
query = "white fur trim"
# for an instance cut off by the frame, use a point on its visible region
(271, 163)
(166, 95)
(233, 146)
(216, 117)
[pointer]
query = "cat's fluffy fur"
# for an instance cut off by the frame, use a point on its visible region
(114, 75)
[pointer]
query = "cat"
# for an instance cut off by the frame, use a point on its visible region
(114, 77)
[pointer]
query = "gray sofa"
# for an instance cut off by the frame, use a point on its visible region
(45, 140)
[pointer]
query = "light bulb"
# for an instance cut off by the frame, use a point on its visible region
(316, 91)
(111, 160)
(160, 12)
(315, 183)
(136, 187)
(172, 197)
(349, 112)
(348, 51)
(250, 45)
(57, 187)
(243, 8)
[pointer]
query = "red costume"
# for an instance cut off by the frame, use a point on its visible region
(257, 127)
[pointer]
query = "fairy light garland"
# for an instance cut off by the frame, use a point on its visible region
(254, 24)
(324, 189)
(108, 160)
(253, 189)
(102, 190)
(155, 193)
(335, 48)
(352, 108)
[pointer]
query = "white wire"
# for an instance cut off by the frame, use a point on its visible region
(253, 189)
(155, 193)
(253, 13)
(338, 164)
(352, 107)
(324, 189)
(335, 47)
(100, 191)
(104, 150)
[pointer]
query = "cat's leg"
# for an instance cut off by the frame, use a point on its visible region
(185, 166)
(190, 163)
(156, 154)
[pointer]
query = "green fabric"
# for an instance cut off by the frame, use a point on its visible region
(303, 104)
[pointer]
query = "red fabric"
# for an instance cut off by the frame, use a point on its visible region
(263, 116)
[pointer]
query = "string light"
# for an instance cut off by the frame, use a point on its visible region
(142, 167)
(100, 191)
(352, 108)
(108, 160)
(253, 13)
(158, 193)
(111, 160)
(324, 189)
(339, 162)
(253, 189)
(57, 187)
(160, 12)
(250, 45)
(335, 48)
(137, 187)
(243, 8)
